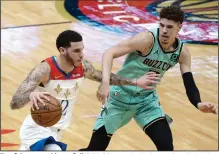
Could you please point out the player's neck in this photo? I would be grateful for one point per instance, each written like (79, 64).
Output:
(64, 65)
(169, 46)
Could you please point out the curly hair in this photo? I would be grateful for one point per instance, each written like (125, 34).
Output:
(172, 13)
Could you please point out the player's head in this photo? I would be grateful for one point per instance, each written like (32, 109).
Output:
(171, 19)
(70, 45)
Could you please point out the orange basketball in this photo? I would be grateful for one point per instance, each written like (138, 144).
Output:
(49, 114)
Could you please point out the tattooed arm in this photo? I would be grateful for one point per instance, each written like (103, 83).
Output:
(144, 81)
(34, 78)
(91, 73)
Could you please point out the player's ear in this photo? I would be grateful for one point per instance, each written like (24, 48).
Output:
(179, 27)
(62, 50)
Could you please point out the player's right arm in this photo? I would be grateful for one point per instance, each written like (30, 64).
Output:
(141, 42)
(26, 91)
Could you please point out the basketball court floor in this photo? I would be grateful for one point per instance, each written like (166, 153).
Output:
(28, 33)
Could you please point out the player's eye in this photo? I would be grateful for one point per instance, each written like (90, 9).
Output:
(77, 50)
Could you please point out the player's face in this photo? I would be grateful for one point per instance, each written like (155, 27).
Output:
(168, 30)
(74, 54)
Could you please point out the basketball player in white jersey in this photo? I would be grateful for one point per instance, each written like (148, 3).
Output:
(61, 78)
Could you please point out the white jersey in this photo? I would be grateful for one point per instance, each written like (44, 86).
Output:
(63, 87)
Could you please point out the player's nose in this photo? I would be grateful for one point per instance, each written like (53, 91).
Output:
(164, 30)
(82, 55)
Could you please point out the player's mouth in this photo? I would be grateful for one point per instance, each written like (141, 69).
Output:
(165, 36)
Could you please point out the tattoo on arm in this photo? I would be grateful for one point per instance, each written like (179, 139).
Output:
(96, 75)
(21, 96)
(117, 80)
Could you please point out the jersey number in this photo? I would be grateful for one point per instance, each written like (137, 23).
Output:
(64, 103)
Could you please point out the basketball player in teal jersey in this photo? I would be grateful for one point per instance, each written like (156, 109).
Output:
(157, 50)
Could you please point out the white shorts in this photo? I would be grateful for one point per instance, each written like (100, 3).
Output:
(30, 133)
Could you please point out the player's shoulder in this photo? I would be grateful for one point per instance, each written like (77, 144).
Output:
(42, 70)
(145, 35)
(49, 62)
(142, 40)
(185, 50)
(185, 53)
(43, 66)
(87, 65)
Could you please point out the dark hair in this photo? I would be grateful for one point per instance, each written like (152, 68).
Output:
(66, 37)
(172, 13)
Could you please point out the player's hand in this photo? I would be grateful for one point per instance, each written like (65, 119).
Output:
(207, 107)
(148, 80)
(103, 92)
(38, 97)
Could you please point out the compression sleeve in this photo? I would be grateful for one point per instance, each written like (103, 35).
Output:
(191, 89)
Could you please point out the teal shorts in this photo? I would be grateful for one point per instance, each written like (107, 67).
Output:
(122, 107)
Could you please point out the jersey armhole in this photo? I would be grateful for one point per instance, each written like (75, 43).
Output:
(152, 46)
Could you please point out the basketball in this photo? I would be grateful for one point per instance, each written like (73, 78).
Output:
(49, 114)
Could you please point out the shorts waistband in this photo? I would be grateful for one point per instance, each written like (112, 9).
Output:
(115, 93)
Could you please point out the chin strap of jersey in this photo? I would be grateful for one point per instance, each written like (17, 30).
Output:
(191, 89)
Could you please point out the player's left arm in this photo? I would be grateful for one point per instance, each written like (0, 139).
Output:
(191, 89)
(92, 73)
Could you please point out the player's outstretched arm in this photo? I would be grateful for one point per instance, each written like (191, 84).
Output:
(190, 86)
(34, 78)
(140, 42)
(92, 73)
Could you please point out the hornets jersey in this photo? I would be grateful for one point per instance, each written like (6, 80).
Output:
(157, 60)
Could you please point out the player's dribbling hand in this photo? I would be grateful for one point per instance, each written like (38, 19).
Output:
(207, 107)
(38, 97)
(103, 92)
(146, 81)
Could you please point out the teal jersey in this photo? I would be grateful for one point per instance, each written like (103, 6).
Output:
(157, 60)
